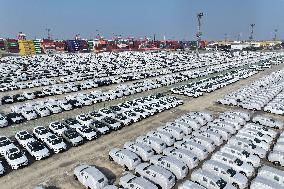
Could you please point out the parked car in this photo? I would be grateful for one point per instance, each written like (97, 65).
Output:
(90, 176)
(125, 158)
(158, 175)
(131, 181)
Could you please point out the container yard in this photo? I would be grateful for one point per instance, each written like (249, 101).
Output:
(141, 95)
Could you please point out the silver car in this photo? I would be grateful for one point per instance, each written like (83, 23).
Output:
(90, 176)
(172, 164)
(131, 181)
(159, 175)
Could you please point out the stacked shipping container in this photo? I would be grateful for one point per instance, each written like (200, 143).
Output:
(2, 44)
(37, 45)
(60, 46)
(26, 47)
(48, 46)
(12, 45)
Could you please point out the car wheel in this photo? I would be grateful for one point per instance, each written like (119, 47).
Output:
(243, 173)
(277, 163)
(110, 158)
(75, 177)
(126, 168)
(235, 185)
(250, 163)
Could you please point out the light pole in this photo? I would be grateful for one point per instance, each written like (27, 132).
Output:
(252, 31)
(275, 34)
(198, 33)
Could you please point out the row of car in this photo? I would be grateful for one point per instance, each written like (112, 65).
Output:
(258, 94)
(277, 155)
(42, 108)
(59, 136)
(182, 143)
(72, 86)
(237, 161)
(110, 67)
(60, 89)
(126, 66)
(268, 177)
(207, 85)
(276, 106)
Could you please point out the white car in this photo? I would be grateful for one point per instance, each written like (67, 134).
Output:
(186, 156)
(41, 110)
(163, 135)
(53, 107)
(131, 181)
(73, 137)
(125, 158)
(2, 170)
(57, 128)
(41, 132)
(15, 158)
(55, 143)
(90, 177)
(24, 137)
(64, 105)
(158, 175)
(5, 144)
(269, 122)
(143, 151)
(87, 132)
(177, 167)
(37, 150)
(84, 119)
(29, 113)
(276, 157)
(3, 121)
(190, 185)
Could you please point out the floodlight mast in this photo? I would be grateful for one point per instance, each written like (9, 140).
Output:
(252, 31)
(275, 34)
(198, 33)
(48, 33)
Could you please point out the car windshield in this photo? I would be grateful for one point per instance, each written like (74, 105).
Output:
(71, 134)
(238, 162)
(86, 129)
(116, 108)
(109, 120)
(99, 124)
(101, 180)
(84, 118)
(56, 140)
(42, 130)
(35, 146)
(120, 116)
(221, 183)
(4, 141)
(14, 153)
(246, 153)
(29, 111)
(25, 136)
(231, 171)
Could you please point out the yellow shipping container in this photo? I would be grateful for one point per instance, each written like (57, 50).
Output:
(26, 47)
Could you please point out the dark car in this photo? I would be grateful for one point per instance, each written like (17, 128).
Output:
(15, 118)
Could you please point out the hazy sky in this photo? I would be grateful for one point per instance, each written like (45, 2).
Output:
(176, 19)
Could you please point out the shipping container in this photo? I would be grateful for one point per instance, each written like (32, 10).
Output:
(26, 47)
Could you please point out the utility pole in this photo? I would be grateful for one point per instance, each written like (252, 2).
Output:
(226, 37)
(239, 37)
(275, 34)
(48, 33)
(252, 31)
(198, 33)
